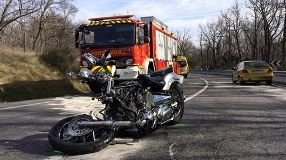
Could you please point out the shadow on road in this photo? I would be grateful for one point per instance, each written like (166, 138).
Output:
(24, 90)
(36, 144)
(24, 131)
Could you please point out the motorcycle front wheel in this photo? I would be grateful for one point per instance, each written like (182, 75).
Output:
(66, 136)
(178, 97)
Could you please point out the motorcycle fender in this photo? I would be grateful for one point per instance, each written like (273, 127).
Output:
(172, 78)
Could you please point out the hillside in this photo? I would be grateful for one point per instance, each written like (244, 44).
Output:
(24, 76)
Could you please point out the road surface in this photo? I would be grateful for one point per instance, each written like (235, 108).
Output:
(221, 121)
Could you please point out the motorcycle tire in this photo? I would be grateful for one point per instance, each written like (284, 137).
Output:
(77, 148)
(177, 89)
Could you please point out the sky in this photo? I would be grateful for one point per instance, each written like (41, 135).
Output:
(177, 14)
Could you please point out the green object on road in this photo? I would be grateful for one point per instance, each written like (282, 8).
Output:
(179, 125)
(56, 153)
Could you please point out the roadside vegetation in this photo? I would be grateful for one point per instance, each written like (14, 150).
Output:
(36, 49)
(26, 75)
(249, 30)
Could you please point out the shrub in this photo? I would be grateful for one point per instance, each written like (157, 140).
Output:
(62, 59)
(282, 67)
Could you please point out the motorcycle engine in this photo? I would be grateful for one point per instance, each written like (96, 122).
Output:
(131, 100)
(144, 100)
(145, 103)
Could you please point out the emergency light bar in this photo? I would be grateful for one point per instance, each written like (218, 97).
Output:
(109, 18)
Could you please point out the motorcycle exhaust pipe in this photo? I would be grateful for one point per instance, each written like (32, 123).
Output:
(124, 141)
(107, 123)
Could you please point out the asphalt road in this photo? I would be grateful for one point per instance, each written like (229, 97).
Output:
(221, 121)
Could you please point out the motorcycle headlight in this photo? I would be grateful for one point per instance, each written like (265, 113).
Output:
(84, 73)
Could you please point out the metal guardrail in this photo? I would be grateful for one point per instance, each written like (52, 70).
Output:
(279, 76)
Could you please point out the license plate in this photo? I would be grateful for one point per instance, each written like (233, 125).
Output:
(127, 73)
(258, 71)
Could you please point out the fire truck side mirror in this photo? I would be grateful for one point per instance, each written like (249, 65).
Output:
(147, 40)
(146, 33)
(76, 38)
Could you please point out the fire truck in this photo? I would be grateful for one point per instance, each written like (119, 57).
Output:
(138, 46)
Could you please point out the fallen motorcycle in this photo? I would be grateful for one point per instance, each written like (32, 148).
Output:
(142, 104)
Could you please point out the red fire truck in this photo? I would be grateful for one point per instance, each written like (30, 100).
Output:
(137, 46)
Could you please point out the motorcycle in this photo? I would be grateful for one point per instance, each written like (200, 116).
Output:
(142, 104)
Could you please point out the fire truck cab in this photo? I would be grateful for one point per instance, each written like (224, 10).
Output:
(137, 46)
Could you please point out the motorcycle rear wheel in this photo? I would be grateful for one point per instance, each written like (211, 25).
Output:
(78, 144)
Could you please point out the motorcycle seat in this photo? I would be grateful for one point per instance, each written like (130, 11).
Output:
(153, 82)
(161, 72)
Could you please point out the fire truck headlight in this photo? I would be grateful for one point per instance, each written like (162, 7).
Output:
(129, 61)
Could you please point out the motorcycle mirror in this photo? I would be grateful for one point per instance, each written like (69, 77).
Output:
(89, 59)
(108, 56)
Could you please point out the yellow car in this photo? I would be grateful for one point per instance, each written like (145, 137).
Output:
(184, 67)
(252, 71)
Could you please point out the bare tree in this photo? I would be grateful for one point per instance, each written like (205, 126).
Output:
(284, 33)
(11, 10)
(48, 25)
(233, 31)
(185, 44)
(251, 27)
(258, 35)
(271, 15)
(55, 14)
(45, 5)
(212, 35)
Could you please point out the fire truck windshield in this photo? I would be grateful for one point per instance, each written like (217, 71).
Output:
(109, 35)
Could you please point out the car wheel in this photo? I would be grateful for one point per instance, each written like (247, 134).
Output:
(269, 82)
(240, 81)
(233, 81)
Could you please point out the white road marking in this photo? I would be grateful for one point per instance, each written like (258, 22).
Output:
(171, 153)
(199, 92)
(225, 82)
(234, 86)
(25, 105)
(197, 83)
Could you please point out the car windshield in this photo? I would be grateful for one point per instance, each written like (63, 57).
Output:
(182, 63)
(113, 34)
(256, 64)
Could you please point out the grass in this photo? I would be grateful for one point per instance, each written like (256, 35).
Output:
(25, 76)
